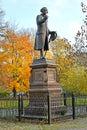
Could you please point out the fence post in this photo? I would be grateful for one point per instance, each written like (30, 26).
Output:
(49, 109)
(65, 99)
(20, 106)
(73, 106)
(21, 103)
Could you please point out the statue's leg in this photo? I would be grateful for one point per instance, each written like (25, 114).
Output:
(41, 54)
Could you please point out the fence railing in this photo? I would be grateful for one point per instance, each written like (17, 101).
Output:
(8, 108)
(69, 107)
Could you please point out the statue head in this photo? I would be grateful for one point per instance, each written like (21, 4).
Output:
(44, 10)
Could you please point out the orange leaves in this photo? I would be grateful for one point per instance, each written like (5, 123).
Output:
(16, 60)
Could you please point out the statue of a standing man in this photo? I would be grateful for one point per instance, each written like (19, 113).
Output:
(41, 39)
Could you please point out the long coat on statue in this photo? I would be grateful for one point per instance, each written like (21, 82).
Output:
(41, 39)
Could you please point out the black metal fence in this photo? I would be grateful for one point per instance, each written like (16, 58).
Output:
(69, 107)
(8, 108)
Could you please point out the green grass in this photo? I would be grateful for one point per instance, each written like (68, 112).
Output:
(81, 101)
(12, 103)
(78, 101)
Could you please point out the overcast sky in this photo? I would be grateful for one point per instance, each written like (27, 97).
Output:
(65, 16)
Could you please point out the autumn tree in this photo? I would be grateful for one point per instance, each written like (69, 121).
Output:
(63, 54)
(80, 45)
(76, 80)
(73, 76)
(3, 24)
(16, 57)
(3, 27)
(64, 58)
(80, 53)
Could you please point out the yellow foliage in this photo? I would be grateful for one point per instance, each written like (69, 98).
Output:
(62, 55)
(75, 80)
(49, 55)
(72, 77)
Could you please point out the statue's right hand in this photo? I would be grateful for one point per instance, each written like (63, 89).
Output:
(46, 17)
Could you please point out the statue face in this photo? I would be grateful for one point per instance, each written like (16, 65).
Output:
(44, 10)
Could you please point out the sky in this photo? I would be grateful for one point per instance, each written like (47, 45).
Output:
(64, 16)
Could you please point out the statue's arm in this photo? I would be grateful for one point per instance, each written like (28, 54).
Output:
(41, 19)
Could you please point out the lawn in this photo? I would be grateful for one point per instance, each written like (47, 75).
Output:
(78, 101)
(12, 103)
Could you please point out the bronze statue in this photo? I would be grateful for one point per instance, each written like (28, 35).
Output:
(41, 39)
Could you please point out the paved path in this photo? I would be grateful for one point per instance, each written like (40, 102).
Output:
(77, 124)
(75, 129)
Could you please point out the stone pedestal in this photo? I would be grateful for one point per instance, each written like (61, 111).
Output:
(42, 83)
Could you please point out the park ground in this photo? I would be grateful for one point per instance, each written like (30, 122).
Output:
(77, 124)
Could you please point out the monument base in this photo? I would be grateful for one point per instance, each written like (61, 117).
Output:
(43, 83)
